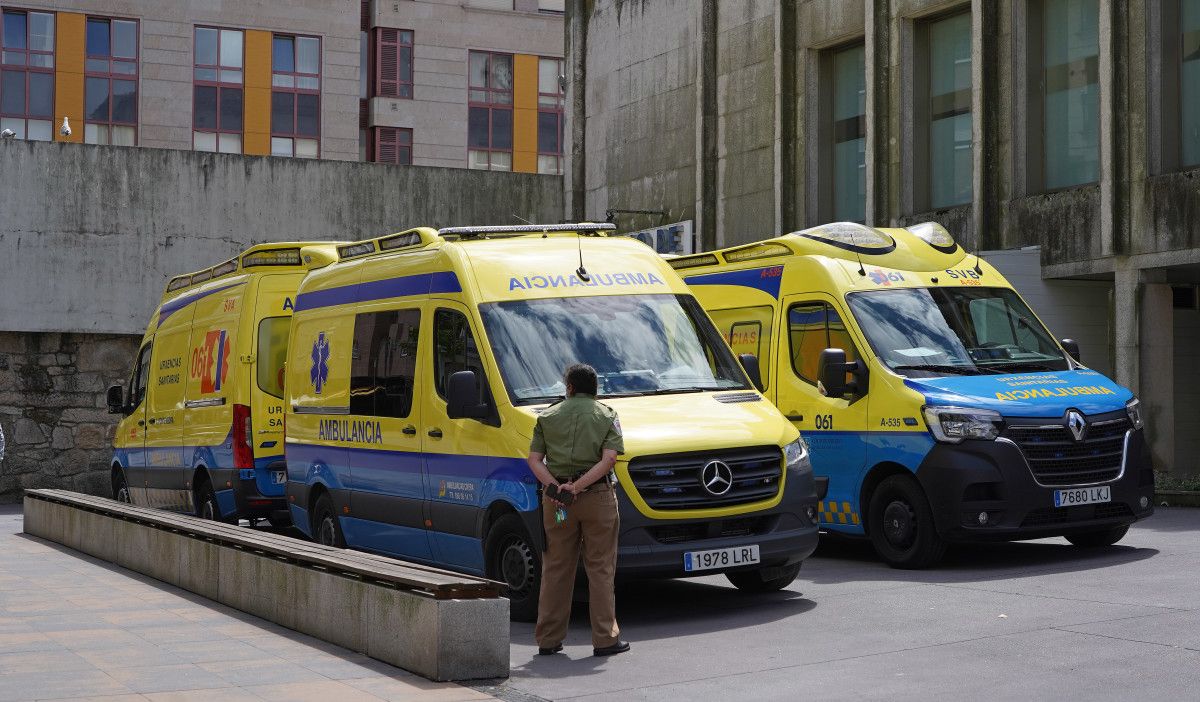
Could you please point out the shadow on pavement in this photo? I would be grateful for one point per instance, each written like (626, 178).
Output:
(841, 559)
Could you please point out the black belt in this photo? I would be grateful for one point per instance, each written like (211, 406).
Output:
(602, 483)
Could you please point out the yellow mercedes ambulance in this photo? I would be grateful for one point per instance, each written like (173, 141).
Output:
(936, 404)
(418, 364)
(202, 426)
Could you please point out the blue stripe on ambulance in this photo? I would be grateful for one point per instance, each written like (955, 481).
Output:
(840, 510)
(765, 279)
(401, 286)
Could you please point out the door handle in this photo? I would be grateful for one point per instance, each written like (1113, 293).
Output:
(435, 433)
(409, 430)
(152, 420)
(141, 422)
(795, 417)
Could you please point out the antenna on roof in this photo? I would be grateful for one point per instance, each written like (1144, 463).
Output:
(581, 271)
(977, 269)
(861, 271)
(517, 216)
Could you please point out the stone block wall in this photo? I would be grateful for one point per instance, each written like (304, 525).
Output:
(57, 431)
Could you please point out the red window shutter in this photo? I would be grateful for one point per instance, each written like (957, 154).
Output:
(365, 16)
(387, 66)
(386, 148)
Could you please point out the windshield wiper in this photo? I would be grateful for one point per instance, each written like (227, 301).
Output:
(943, 368)
(1031, 365)
(539, 399)
(665, 391)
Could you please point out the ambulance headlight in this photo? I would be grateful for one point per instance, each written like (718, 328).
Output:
(1134, 409)
(795, 456)
(953, 424)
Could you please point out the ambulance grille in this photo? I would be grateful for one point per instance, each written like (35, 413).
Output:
(672, 481)
(1054, 516)
(1056, 458)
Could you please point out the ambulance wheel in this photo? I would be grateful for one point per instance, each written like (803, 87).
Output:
(1098, 538)
(206, 502)
(765, 579)
(513, 559)
(901, 526)
(325, 528)
(119, 487)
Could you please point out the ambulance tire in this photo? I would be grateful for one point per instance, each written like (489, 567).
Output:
(753, 581)
(901, 525)
(120, 487)
(513, 559)
(325, 527)
(206, 502)
(1098, 538)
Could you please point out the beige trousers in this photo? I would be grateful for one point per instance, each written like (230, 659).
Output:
(591, 526)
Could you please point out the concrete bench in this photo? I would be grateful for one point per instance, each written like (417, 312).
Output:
(435, 623)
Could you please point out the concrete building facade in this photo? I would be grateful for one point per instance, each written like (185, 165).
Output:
(369, 80)
(1071, 125)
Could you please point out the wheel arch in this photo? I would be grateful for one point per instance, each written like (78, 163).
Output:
(880, 472)
(499, 508)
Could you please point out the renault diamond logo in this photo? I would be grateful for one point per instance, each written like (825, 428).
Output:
(717, 478)
(1077, 424)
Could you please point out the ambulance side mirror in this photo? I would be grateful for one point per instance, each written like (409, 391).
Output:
(116, 400)
(831, 372)
(462, 397)
(750, 365)
(1071, 347)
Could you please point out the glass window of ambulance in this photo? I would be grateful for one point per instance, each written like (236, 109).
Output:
(454, 350)
(272, 354)
(638, 344)
(929, 332)
(812, 328)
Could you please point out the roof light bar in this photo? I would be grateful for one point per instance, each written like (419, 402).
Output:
(181, 281)
(272, 257)
(580, 227)
(692, 261)
(935, 235)
(225, 268)
(399, 241)
(851, 236)
(352, 250)
(756, 251)
(202, 276)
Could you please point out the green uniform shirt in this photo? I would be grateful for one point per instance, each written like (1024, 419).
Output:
(573, 433)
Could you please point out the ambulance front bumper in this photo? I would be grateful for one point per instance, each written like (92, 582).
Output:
(784, 535)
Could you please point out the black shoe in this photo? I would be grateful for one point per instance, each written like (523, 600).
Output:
(618, 647)
(552, 650)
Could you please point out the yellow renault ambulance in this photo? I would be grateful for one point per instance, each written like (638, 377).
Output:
(936, 405)
(202, 426)
(418, 364)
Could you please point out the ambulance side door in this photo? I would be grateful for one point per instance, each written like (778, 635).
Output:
(457, 451)
(386, 480)
(833, 426)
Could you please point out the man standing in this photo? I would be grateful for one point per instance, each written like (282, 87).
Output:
(575, 445)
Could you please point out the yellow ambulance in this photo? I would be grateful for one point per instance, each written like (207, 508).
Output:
(937, 405)
(202, 426)
(418, 364)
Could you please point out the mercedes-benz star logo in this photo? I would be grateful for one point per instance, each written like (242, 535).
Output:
(1077, 424)
(716, 477)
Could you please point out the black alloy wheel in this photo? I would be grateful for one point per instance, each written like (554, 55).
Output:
(325, 528)
(120, 488)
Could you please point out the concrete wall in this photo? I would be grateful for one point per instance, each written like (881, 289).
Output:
(444, 32)
(91, 234)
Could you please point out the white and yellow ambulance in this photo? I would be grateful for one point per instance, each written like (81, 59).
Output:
(418, 364)
(203, 413)
(937, 405)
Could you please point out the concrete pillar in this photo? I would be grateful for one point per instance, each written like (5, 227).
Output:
(1125, 326)
(1156, 388)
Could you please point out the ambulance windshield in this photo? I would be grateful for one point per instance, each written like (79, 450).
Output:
(924, 332)
(638, 344)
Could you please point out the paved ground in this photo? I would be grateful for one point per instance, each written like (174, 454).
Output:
(1038, 620)
(75, 627)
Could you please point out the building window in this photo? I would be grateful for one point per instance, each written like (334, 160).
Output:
(393, 145)
(394, 72)
(1189, 81)
(27, 75)
(945, 109)
(217, 92)
(551, 100)
(295, 96)
(1070, 52)
(110, 82)
(490, 99)
(555, 6)
(847, 126)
